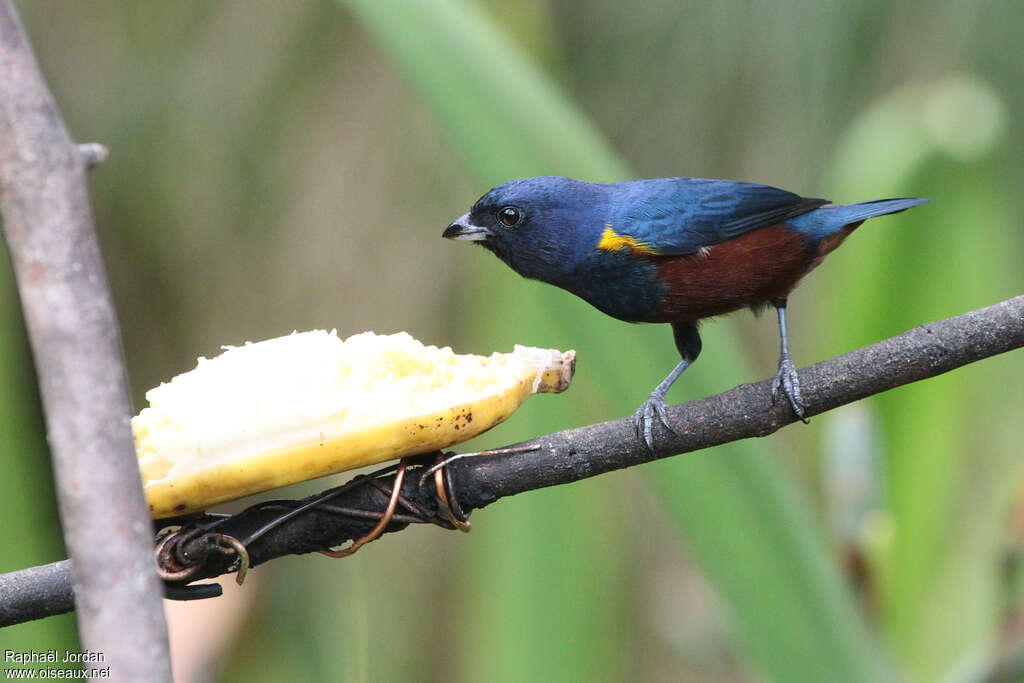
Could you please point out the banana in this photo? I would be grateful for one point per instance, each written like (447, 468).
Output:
(309, 404)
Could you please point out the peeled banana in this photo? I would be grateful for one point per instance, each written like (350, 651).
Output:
(310, 404)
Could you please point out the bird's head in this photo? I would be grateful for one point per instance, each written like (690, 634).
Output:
(541, 227)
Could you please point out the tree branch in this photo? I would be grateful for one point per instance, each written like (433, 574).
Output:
(747, 410)
(563, 457)
(75, 340)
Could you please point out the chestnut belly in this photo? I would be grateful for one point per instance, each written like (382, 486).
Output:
(758, 267)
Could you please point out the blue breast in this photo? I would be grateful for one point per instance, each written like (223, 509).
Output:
(617, 284)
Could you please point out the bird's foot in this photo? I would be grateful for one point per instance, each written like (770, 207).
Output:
(643, 419)
(787, 381)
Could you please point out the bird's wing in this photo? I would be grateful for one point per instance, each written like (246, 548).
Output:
(681, 215)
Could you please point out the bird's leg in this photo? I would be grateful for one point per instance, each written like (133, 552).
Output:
(786, 378)
(688, 343)
(643, 419)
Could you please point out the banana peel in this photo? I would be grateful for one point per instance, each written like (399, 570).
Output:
(309, 404)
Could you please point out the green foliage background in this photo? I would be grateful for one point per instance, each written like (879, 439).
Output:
(280, 166)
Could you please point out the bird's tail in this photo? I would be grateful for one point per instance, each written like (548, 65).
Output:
(829, 219)
(878, 207)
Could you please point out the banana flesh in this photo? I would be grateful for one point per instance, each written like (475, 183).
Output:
(309, 404)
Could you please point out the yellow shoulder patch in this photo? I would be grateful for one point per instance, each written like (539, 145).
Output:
(613, 241)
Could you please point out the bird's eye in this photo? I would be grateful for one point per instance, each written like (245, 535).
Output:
(509, 216)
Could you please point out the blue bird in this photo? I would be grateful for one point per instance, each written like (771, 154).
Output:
(667, 250)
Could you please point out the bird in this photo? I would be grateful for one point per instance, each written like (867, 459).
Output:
(668, 250)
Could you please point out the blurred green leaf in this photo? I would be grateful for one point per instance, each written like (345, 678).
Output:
(505, 120)
(743, 517)
(951, 473)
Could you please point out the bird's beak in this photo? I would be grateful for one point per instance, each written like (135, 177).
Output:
(462, 229)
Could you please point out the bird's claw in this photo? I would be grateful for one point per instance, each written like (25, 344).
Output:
(787, 381)
(643, 419)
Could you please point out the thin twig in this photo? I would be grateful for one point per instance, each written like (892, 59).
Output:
(69, 315)
(36, 592)
(563, 457)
